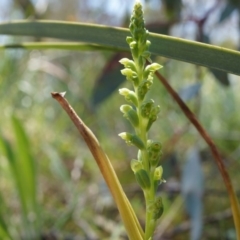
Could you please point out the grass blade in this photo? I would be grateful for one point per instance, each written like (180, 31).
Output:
(25, 164)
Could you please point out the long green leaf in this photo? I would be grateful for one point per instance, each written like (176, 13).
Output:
(25, 164)
(25, 168)
(8, 152)
(23, 171)
(60, 45)
(170, 47)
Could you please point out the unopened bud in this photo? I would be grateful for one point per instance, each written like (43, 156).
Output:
(130, 114)
(130, 75)
(158, 208)
(146, 108)
(129, 95)
(143, 88)
(136, 165)
(154, 152)
(151, 69)
(158, 173)
(153, 116)
(128, 63)
(143, 179)
(132, 139)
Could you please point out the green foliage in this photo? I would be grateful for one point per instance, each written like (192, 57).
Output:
(23, 172)
(175, 48)
(71, 189)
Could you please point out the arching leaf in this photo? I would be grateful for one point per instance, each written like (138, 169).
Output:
(221, 76)
(170, 47)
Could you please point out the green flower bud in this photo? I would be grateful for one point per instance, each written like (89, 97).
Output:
(153, 116)
(154, 146)
(148, 43)
(136, 165)
(126, 136)
(146, 108)
(130, 75)
(147, 55)
(137, 142)
(128, 63)
(143, 179)
(151, 69)
(125, 108)
(129, 39)
(158, 182)
(130, 96)
(136, 26)
(143, 40)
(158, 173)
(157, 209)
(133, 44)
(154, 152)
(132, 139)
(143, 88)
(130, 114)
(150, 77)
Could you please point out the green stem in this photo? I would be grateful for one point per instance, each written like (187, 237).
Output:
(149, 194)
(150, 224)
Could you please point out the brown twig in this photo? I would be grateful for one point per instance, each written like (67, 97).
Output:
(132, 225)
(214, 150)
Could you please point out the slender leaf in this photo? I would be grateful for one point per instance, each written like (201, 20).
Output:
(192, 189)
(221, 76)
(26, 172)
(10, 155)
(170, 47)
(226, 12)
(25, 164)
(23, 171)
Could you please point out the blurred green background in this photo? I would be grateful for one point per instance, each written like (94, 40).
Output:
(50, 186)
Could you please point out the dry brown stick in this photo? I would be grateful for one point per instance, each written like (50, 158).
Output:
(129, 218)
(214, 150)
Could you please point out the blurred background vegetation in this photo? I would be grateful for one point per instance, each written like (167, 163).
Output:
(50, 185)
